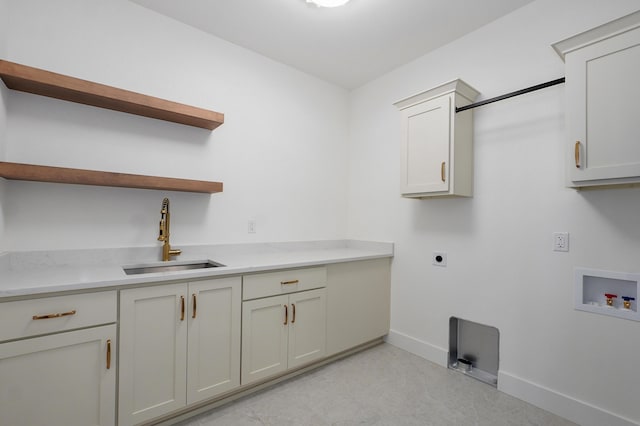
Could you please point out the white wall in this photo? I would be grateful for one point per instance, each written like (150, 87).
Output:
(501, 269)
(283, 157)
(281, 152)
(3, 115)
(3, 183)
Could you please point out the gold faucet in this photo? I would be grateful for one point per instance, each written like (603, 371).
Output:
(165, 223)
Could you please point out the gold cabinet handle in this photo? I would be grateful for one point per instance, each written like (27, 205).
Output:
(576, 153)
(442, 169)
(293, 306)
(195, 306)
(49, 316)
(108, 354)
(289, 282)
(181, 308)
(286, 314)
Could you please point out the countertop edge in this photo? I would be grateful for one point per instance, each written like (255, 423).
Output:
(49, 280)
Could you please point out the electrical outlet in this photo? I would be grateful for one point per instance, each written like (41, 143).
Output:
(560, 241)
(439, 258)
(251, 226)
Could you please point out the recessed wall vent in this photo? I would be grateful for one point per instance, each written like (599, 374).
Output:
(474, 349)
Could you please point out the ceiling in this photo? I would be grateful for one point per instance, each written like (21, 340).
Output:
(349, 45)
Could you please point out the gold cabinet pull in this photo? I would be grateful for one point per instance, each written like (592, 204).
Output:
(286, 314)
(49, 316)
(195, 306)
(289, 282)
(181, 308)
(293, 306)
(576, 153)
(108, 354)
(442, 167)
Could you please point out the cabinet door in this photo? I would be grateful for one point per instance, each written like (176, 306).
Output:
(214, 338)
(601, 109)
(264, 337)
(307, 327)
(358, 303)
(60, 379)
(425, 146)
(153, 352)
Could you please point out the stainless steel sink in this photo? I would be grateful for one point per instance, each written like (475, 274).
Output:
(150, 269)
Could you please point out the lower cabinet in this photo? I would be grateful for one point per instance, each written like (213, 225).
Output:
(282, 332)
(307, 327)
(65, 378)
(60, 379)
(179, 344)
(358, 303)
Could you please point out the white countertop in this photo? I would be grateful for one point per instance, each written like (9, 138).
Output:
(24, 274)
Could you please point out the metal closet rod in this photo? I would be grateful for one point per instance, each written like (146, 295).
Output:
(512, 94)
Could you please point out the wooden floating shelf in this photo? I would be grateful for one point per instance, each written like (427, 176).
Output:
(17, 171)
(46, 83)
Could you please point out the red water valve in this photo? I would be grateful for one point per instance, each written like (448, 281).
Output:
(610, 298)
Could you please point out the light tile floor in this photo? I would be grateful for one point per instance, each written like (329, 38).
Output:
(383, 385)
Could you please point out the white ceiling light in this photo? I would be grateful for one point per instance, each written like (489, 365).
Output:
(328, 3)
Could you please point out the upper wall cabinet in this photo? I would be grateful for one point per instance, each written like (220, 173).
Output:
(602, 69)
(437, 143)
(46, 83)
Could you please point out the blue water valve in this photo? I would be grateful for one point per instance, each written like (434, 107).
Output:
(626, 301)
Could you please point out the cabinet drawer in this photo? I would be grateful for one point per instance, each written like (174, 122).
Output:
(282, 282)
(52, 314)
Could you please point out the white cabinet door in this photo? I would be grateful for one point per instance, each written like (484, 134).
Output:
(264, 337)
(436, 143)
(153, 352)
(214, 338)
(282, 332)
(425, 146)
(602, 112)
(307, 327)
(603, 115)
(59, 380)
(358, 303)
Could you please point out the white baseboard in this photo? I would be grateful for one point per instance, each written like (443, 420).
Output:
(565, 406)
(418, 347)
(562, 405)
